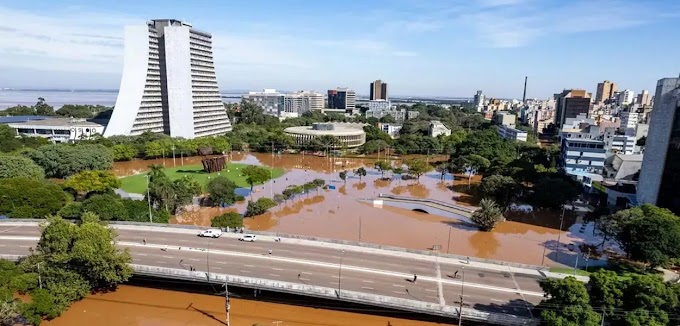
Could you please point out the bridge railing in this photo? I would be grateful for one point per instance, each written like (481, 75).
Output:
(428, 200)
(335, 294)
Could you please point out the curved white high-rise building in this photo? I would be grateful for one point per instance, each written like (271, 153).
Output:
(169, 84)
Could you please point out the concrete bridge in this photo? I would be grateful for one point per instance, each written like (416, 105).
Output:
(494, 294)
(425, 205)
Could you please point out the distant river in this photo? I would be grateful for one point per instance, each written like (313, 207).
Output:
(57, 99)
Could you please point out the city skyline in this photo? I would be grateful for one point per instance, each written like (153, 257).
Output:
(438, 48)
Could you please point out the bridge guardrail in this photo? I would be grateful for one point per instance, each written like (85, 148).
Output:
(332, 293)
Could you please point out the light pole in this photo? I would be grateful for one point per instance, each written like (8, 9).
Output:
(448, 243)
(359, 228)
(148, 197)
(173, 156)
(559, 234)
(462, 289)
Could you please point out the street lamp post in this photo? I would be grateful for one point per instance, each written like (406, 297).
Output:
(559, 234)
(448, 243)
(173, 156)
(359, 228)
(148, 197)
(462, 289)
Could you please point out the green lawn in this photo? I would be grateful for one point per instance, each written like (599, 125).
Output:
(137, 183)
(622, 275)
(569, 271)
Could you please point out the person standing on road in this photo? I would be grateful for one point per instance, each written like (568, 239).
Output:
(144, 241)
(270, 251)
(455, 275)
(415, 278)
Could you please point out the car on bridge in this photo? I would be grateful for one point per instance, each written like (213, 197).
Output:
(212, 233)
(248, 237)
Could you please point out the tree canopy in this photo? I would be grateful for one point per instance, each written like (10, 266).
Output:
(89, 181)
(60, 161)
(488, 215)
(30, 198)
(228, 219)
(255, 175)
(222, 191)
(17, 166)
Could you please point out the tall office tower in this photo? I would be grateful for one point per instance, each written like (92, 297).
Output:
(605, 90)
(342, 98)
(298, 103)
(570, 103)
(644, 98)
(625, 97)
(660, 172)
(479, 100)
(378, 90)
(168, 84)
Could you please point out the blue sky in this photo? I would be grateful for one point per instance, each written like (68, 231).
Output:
(420, 47)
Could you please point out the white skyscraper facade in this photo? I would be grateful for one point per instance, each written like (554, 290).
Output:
(168, 84)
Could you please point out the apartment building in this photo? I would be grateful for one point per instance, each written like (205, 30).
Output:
(296, 104)
(271, 101)
(342, 98)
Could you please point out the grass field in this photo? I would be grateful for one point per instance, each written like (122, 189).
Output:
(137, 183)
(569, 271)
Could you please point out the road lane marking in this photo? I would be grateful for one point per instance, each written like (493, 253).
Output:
(277, 269)
(526, 304)
(336, 283)
(160, 262)
(367, 281)
(306, 273)
(275, 275)
(304, 279)
(398, 292)
(10, 229)
(144, 255)
(367, 288)
(194, 259)
(24, 246)
(440, 288)
(430, 290)
(220, 262)
(249, 265)
(170, 257)
(498, 300)
(244, 271)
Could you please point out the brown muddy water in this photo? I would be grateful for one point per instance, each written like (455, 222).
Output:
(341, 213)
(140, 306)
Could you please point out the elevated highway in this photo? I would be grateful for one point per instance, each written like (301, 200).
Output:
(500, 294)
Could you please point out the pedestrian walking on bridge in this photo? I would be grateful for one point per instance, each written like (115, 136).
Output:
(415, 278)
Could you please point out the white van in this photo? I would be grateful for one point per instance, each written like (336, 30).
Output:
(213, 233)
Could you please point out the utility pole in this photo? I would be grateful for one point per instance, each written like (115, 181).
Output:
(359, 228)
(340, 271)
(226, 299)
(448, 243)
(559, 234)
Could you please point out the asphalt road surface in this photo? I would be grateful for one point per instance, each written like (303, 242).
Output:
(370, 272)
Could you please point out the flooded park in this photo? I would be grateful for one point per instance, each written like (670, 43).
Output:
(344, 213)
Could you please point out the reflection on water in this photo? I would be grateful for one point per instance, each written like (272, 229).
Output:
(137, 306)
(338, 213)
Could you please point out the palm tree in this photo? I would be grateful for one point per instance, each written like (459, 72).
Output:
(488, 215)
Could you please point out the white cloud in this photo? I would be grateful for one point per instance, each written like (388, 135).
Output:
(404, 54)
(515, 23)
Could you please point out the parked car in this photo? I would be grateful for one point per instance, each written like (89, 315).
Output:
(213, 233)
(247, 237)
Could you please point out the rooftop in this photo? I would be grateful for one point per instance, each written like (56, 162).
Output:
(57, 122)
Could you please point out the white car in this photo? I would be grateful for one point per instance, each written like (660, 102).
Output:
(213, 233)
(247, 237)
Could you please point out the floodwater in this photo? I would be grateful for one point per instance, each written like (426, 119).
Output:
(138, 306)
(343, 214)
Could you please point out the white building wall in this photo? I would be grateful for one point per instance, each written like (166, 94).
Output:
(178, 77)
(135, 63)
